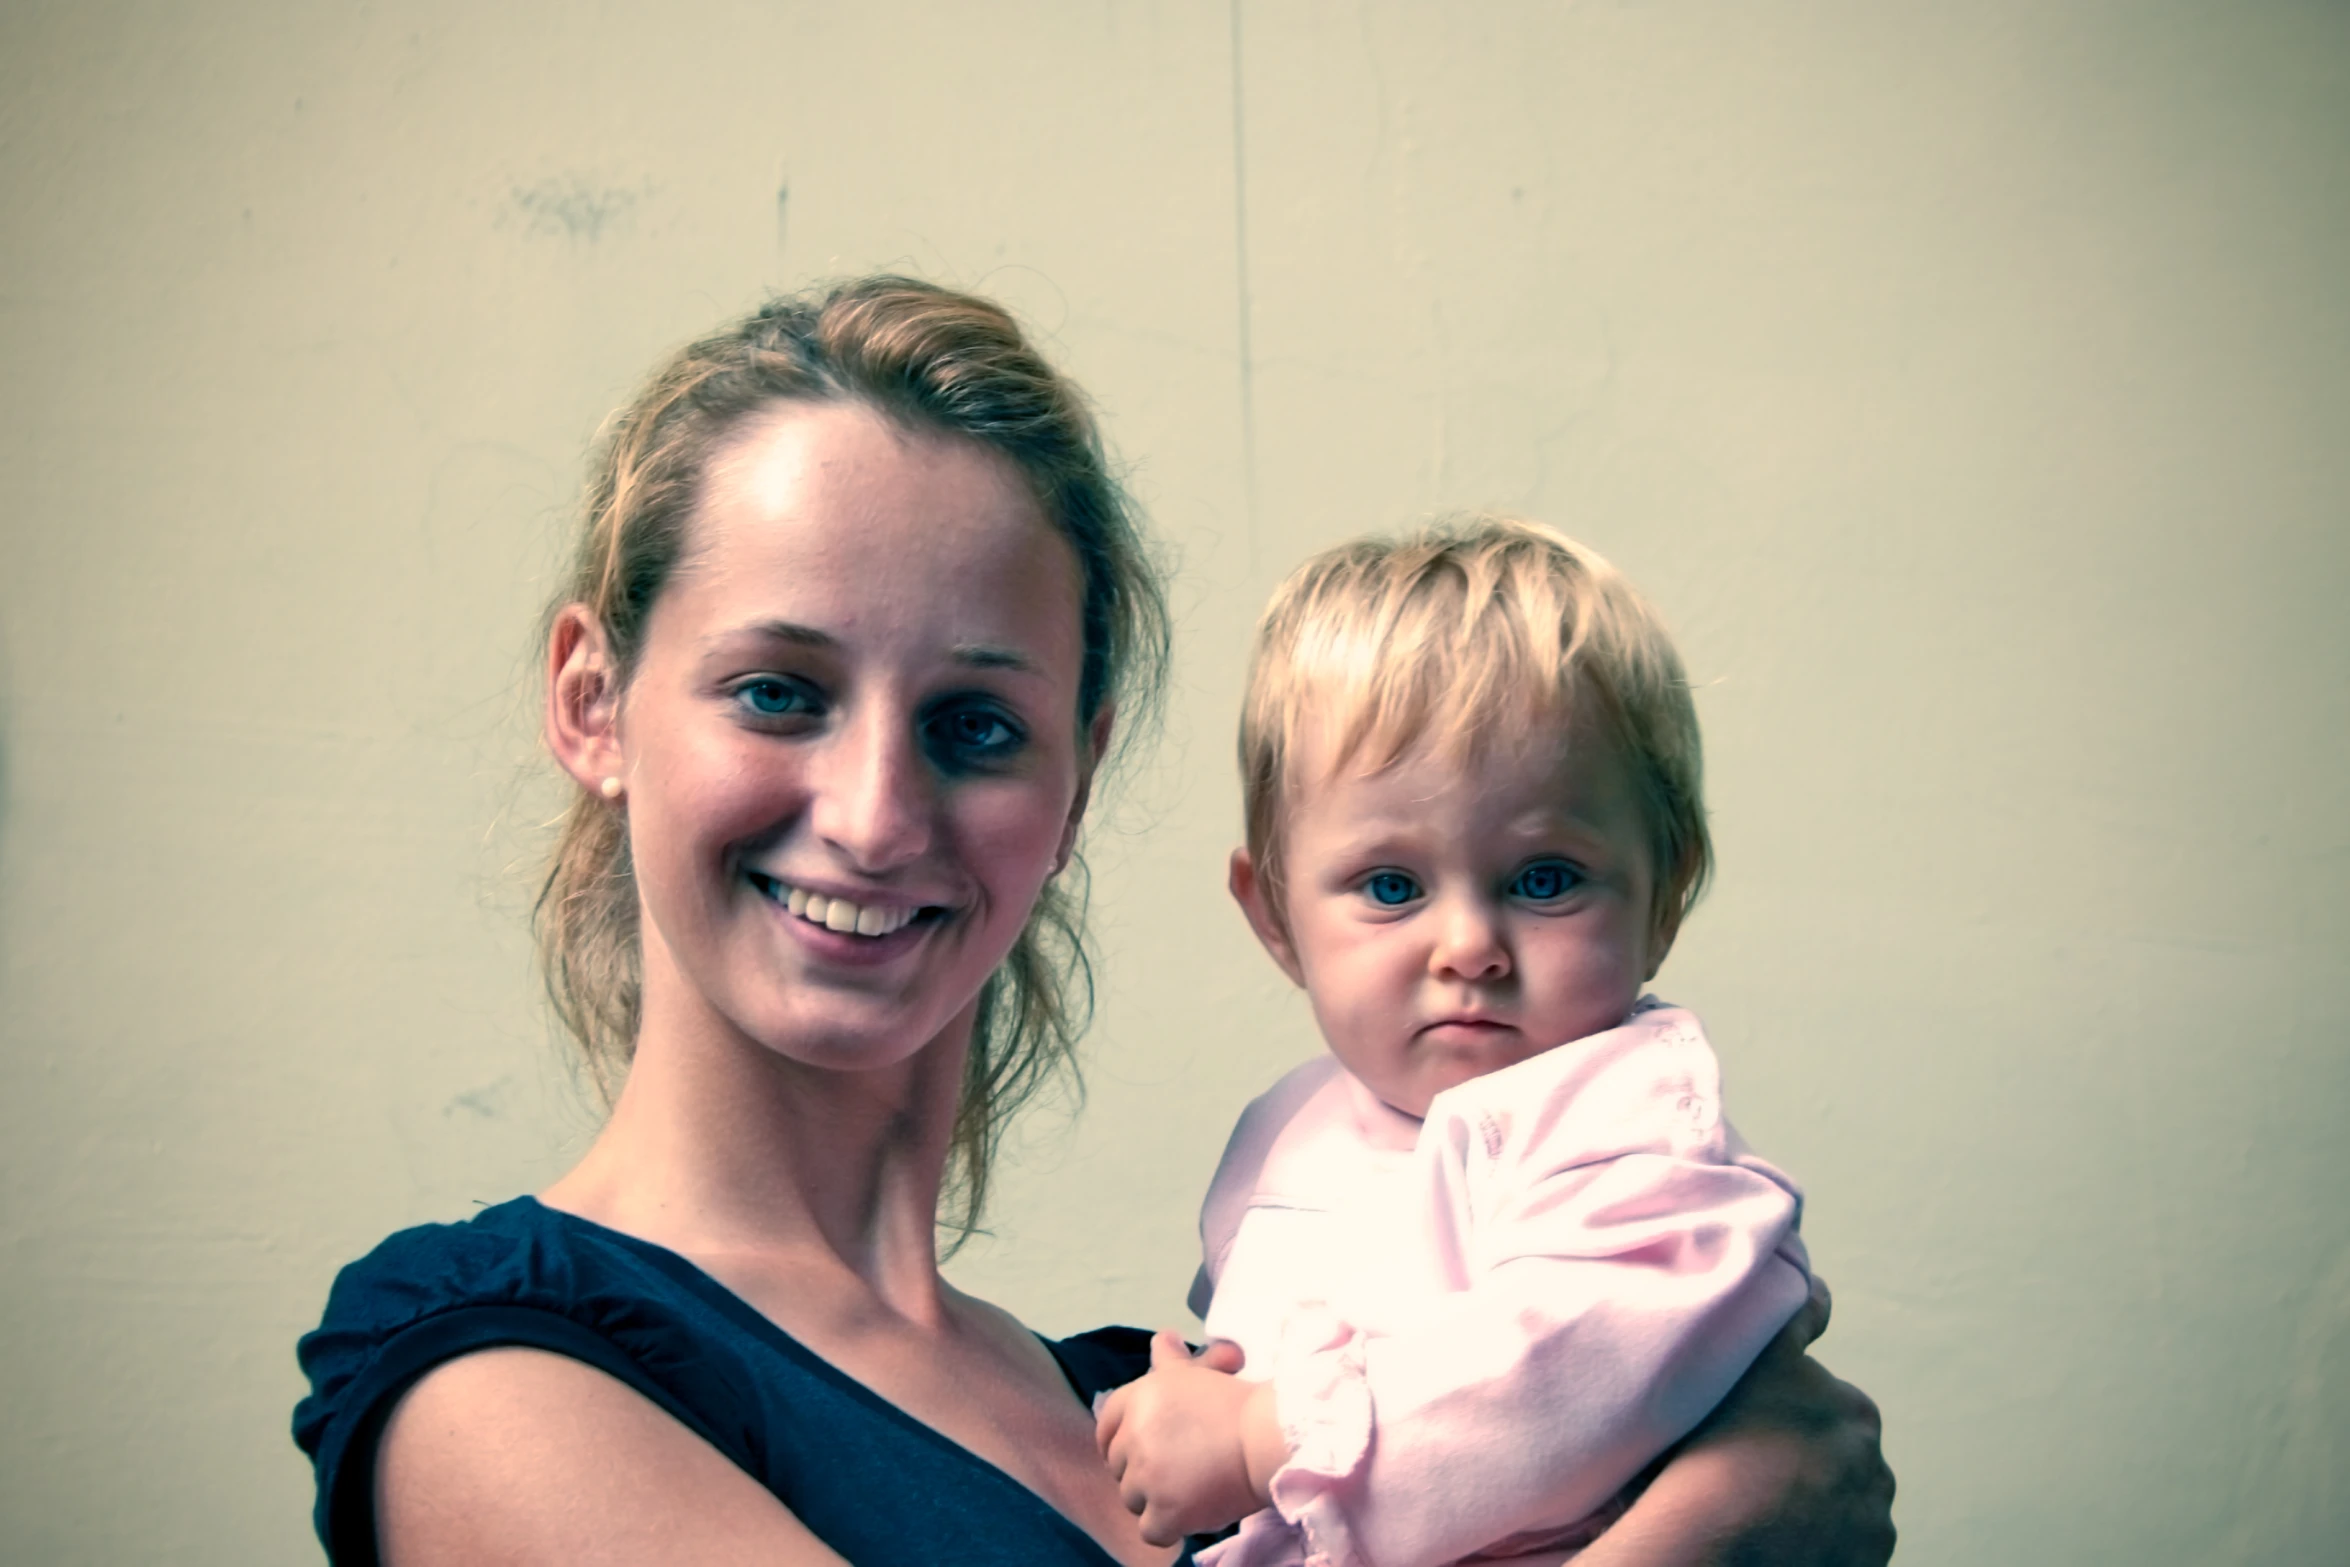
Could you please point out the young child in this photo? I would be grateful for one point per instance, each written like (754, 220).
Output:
(1499, 1249)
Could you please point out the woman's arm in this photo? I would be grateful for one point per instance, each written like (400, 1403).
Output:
(1787, 1472)
(523, 1456)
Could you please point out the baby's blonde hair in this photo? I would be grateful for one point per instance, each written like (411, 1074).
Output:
(1476, 632)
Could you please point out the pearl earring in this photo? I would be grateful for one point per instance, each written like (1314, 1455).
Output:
(611, 788)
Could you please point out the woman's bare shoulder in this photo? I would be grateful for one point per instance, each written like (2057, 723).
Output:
(522, 1455)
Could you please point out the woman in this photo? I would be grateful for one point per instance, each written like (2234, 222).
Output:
(855, 612)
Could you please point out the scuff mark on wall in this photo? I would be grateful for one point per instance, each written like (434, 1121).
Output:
(487, 1102)
(572, 207)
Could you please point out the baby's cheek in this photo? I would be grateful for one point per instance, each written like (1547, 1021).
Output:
(1350, 1031)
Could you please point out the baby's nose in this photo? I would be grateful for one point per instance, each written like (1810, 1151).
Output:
(1471, 946)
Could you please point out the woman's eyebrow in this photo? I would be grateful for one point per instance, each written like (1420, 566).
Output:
(991, 655)
(778, 631)
(974, 655)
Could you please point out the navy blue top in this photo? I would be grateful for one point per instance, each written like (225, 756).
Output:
(868, 1479)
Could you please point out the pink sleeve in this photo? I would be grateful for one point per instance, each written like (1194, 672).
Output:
(1618, 1261)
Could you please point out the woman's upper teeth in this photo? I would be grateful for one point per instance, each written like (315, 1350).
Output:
(842, 915)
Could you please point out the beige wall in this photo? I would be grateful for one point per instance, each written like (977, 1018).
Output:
(1969, 383)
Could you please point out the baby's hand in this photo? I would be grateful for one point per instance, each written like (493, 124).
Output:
(1191, 1447)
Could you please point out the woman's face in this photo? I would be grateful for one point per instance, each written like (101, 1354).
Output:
(850, 749)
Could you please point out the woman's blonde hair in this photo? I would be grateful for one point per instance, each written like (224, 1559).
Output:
(1476, 632)
(935, 360)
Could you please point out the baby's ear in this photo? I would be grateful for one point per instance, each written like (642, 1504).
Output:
(1248, 890)
(1662, 928)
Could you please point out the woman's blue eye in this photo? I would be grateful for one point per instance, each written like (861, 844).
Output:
(1390, 889)
(1546, 882)
(773, 698)
(975, 733)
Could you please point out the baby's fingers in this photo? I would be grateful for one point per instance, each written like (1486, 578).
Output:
(1131, 1490)
(1220, 1354)
(1157, 1530)
(1109, 1415)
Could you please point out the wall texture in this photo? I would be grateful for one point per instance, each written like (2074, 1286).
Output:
(1969, 384)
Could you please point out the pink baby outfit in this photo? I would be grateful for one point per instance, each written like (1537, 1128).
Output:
(1482, 1325)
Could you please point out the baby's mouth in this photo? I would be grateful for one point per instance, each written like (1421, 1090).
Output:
(839, 914)
(1473, 1026)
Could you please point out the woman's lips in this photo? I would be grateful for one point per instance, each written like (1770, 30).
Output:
(843, 916)
(839, 914)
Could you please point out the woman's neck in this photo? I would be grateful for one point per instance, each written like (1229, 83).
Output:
(719, 1148)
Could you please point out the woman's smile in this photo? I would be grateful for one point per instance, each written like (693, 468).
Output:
(846, 933)
(839, 913)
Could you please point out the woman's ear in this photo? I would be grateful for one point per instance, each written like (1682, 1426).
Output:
(583, 703)
(1097, 746)
(1248, 890)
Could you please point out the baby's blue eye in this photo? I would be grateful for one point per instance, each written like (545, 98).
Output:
(1389, 889)
(1546, 881)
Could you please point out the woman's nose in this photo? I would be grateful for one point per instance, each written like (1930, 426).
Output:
(1469, 943)
(874, 796)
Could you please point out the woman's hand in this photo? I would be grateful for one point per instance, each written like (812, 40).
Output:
(1787, 1470)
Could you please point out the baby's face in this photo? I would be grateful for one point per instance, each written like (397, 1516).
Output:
(1448, 921)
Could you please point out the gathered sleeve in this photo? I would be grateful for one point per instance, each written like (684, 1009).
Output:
(1617, 1260)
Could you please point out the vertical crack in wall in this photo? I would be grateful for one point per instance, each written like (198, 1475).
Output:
(1248, 401)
